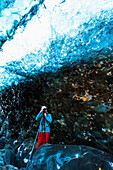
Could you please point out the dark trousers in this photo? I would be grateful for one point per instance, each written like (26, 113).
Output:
(41, 139)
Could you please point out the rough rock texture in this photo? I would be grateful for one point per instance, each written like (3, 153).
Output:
(79, 98)
(24, 152)
(71, 73)
(70, 157)
(7, 157)
(8, 167)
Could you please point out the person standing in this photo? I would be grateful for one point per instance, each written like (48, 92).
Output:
(44, 128)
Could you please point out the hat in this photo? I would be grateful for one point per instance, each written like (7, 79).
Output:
(43, 107)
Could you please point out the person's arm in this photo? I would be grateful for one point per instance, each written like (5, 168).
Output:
(39, 115)
(48, 118)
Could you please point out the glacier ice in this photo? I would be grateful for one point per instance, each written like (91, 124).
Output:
(41, 36)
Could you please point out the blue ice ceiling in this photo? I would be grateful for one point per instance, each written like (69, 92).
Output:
(39, 36)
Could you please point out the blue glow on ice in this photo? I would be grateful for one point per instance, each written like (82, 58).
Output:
(78, 29)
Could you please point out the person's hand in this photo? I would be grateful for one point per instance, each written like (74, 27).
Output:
(44, 114)
(41, 111)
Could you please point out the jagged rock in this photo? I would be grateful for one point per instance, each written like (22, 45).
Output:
(72, 75)
(1, 161)
(70, 157)
(7, 157)
(2, 143)
(78, 97)
(8, 167)
(24, 152)
(86, 163)
(4, 132)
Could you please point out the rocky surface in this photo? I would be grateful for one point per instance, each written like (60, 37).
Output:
(80, 99)
(71, 73)
(8, 167)
(70, 157)
(7, 157)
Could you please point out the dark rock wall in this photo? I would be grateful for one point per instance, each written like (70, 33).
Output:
(79, 97)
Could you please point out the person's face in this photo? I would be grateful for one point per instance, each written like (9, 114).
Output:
(45, 110)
